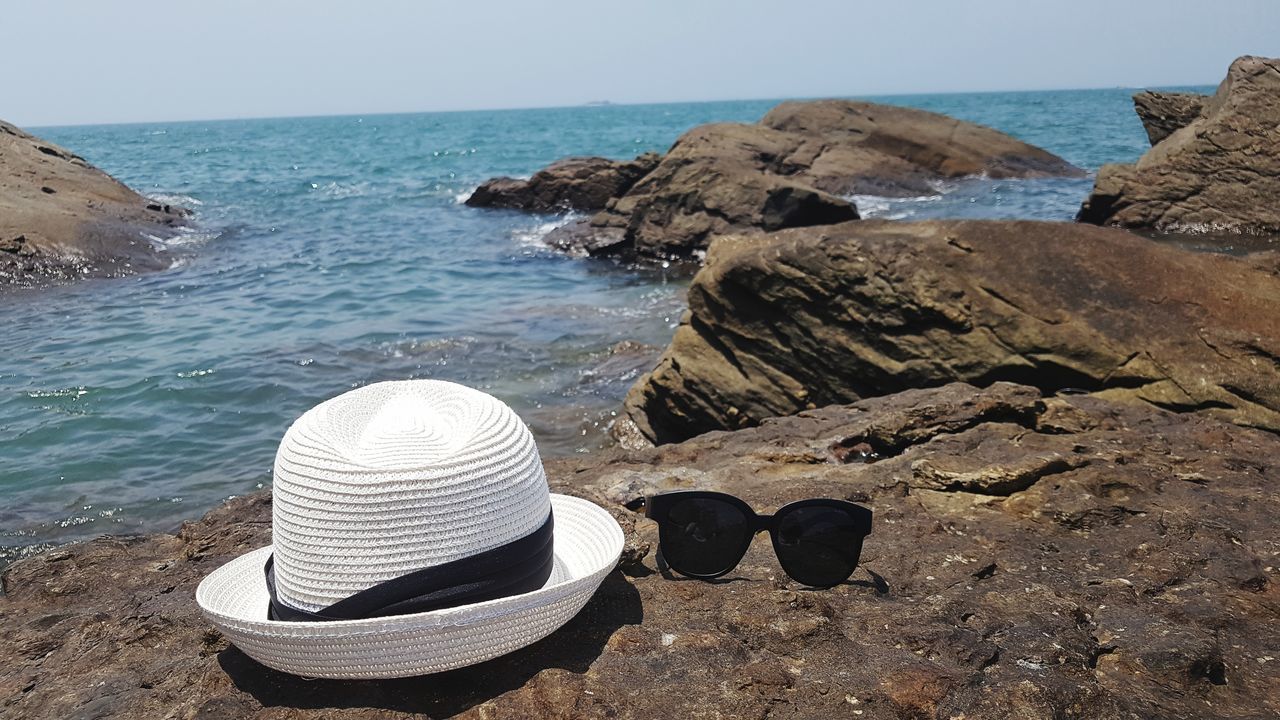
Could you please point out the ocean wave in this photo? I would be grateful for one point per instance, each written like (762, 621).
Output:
(436, 347)
(196, 373)
(182, 237)
(339, 190)
(188, 237)
(176, 199)
(462, 197)
(75, 392)
(892, 208)
(10, 555)
(534, 236)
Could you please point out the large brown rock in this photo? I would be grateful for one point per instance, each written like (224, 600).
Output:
(715, 179)
(1030, 558)
(867, 148)
(578, 183)
(806, 318)
(60, 217)
(1218, 174)
(1164, 113)
(794, 169)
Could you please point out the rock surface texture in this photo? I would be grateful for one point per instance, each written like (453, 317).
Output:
(795, 168)
(579, 183)
(1030, 558)
(60, 217)
(1163, 113)
(1218, 174)
(806, 318)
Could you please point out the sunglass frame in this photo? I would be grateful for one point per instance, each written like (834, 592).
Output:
(658, 508)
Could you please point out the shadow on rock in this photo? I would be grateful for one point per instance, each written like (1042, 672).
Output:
(877, 582)
(573, 647)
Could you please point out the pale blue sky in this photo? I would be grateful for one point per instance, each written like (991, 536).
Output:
(90, 61)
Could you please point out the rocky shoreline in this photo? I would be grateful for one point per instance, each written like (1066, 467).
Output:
(795, 168)
(1068, 434)
(1033, 557)
(61, 218)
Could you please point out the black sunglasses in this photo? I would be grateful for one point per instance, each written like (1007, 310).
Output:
(705, 534)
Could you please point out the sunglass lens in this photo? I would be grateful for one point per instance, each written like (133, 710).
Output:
(818, 545)
(703, 536)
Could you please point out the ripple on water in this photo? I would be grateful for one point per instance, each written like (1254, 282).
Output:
(60, 393)
(339, 190)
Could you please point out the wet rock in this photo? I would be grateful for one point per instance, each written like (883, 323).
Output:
(584, 237)
(624, 360)
(62, 218)
(1218, 174)
(1163, 113)
(805, 318)
(1140, 581)
(18, 246)
(579, 183)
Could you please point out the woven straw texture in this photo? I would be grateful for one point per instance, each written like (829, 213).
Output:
(394, 477)
(234, 598)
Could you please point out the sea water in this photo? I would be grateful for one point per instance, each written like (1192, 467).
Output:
(331, 252)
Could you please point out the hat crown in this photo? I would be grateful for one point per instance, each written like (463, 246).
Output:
(395, 477)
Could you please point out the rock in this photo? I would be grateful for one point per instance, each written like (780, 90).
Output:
(60, 217)
(1218, 174)
(806, 318)
(714, 180)
(18, 246)
(1163, 113)
(1130, 572)
(794, 169)
(579, 183)
(867, 148)
(585, 238)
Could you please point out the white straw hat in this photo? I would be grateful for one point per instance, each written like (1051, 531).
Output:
(397, 484)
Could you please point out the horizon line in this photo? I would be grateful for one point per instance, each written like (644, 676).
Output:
(604, 103)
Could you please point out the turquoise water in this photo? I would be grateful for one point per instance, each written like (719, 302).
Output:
(332, 252)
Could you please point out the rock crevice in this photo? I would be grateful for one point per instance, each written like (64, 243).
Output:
(1163, 113)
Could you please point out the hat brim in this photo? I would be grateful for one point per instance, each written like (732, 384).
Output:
(234, 598)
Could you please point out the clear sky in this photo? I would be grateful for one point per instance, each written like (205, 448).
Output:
(99, 61)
